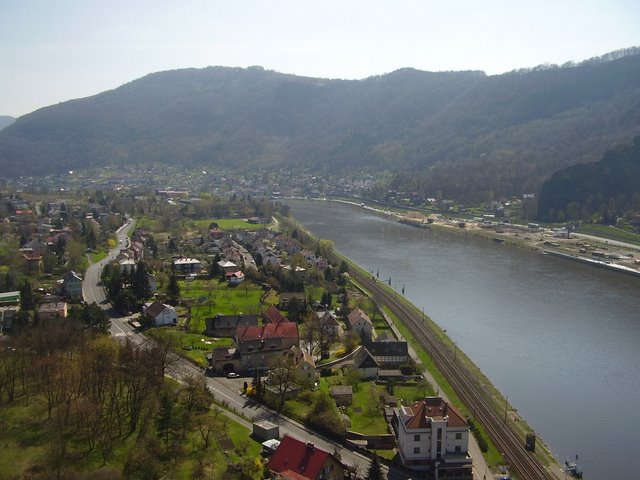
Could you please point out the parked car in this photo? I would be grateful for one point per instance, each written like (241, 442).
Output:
(232, 375)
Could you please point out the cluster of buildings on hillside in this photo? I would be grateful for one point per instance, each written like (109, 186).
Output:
(430, 435)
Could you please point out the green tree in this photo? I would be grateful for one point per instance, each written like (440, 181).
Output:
(91, 240)
(173, 289)
(27, 298)
(140, 282)
(375, 469)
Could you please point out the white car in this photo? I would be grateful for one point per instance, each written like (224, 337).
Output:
(232, 375)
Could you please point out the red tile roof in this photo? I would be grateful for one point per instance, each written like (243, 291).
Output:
(433, 407)
(298, 457)
(271, 330)
(273, 315)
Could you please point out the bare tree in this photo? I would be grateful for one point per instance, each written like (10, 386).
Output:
(281, 376)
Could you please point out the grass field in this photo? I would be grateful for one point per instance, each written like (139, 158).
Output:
(364, 420)
(191, 345)
(225, 224)
(211, 297)
(609, 232)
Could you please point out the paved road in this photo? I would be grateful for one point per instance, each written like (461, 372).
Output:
(226, 391)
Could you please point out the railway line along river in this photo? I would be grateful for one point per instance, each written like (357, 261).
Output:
(559, 339)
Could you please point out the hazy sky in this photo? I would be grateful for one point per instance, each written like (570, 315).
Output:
(56, 50)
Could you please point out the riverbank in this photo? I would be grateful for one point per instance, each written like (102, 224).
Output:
(615, 256)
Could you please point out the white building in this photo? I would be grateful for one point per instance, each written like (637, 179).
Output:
(360, 323)
(433, 436)
(161, 314)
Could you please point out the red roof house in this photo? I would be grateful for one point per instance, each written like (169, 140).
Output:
(273, 315)
(297, 460)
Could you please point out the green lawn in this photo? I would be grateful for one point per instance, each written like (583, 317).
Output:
(191, 345)
(611, 233)
(211, 297)
(362, 421)
(225, 224)
(97, 256)
(413, 393)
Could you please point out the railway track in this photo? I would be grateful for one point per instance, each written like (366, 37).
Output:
(464, 383)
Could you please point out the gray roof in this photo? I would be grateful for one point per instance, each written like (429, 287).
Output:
(387, 349)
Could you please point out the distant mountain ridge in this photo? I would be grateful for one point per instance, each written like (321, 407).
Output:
(5, 121)
(465, 134)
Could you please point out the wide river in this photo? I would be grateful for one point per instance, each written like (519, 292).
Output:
(559, 339)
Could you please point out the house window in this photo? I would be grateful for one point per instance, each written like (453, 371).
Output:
(416, 438)
(458, 436)
(416, 449)
(458, 449)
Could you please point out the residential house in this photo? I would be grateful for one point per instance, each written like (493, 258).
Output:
(227, 266)
(342, 394)
(35, 246)
(223, 360)
(433, 436)
(235, 278)
(273, 315)
(298, 460)
(72, 284)
(304, 364)
(259, 345)
(388, 354)
(160, 314)
(187, 266)
(227, 325)
(365, 364)
(50, 311)
(360, 323)
(9, 307)
(127, 265)
(309, 256)
(33, 259)
(329, 324)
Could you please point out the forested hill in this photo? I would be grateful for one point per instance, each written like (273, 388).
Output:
(600, 191)
(465, 134)
(5, 121)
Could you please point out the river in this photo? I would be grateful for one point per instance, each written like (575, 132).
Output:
(559, 339)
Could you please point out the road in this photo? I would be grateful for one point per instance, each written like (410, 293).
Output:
(225, 391)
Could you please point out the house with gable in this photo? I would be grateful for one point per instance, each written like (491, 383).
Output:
(304, 364)
(160, 314)
(360, 323)
(433, 436)
(235, 278)
(258, 345)
(273, 315)
(298, 460)
(33, 260)
(365, 364)
(309, 256)
(329, 323)
(227, 325)
(72, 284)
(389, 354)
(187, 266)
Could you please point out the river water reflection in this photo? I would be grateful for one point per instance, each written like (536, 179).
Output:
(561, 340)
